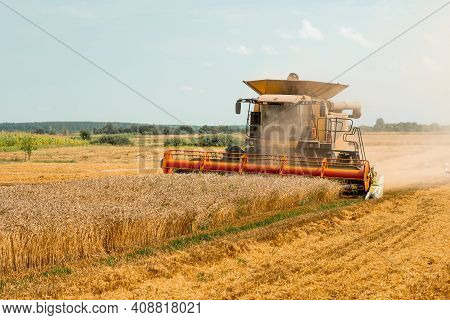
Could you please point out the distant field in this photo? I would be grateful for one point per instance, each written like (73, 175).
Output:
(403, 158)
(10, 141)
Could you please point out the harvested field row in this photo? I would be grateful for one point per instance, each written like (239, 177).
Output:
(54, 223)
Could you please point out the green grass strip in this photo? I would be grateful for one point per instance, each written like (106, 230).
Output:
(184, 242)
(57, 271)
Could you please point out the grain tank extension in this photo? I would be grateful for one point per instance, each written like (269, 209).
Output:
(293, 128)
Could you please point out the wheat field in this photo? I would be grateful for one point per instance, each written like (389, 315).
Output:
(395, 248)
(49, 224)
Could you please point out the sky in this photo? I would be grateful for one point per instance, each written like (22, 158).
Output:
(190, 57)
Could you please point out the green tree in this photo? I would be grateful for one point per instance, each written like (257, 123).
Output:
(109, 129)
(27, 144)
(148, 129)
(379, 124)
(186, 129)
(166, 130)
(85, 135)
(113, 140)
(204, 129)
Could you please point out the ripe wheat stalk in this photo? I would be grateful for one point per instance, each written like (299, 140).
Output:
(50, 224)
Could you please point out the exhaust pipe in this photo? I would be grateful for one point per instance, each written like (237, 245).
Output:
(355, 107)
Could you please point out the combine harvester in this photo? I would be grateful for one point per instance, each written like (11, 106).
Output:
(292, 129)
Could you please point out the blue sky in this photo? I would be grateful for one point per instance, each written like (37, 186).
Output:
(191, 57)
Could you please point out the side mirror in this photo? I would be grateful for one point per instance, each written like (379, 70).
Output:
(238, 107)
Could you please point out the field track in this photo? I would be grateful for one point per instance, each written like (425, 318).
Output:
(395, 248)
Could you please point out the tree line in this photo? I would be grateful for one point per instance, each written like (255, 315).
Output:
(382, 126)
(167, 130)
(153, 129)
(116, 128)
(58, 127)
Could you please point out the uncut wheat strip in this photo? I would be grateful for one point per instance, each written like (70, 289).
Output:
(208, 200)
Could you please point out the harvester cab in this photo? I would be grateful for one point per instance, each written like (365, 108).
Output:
(293, 128)
(293, 117)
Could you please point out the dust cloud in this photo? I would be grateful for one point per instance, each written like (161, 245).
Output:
(409, 160)
(405, 159)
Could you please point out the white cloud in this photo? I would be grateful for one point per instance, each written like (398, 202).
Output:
(240, 50)
(285, 35)
(295, 48)
(308, 31)
(268, 50)
(431, 64)
(355, 36)
(186, 88)
(434, 39)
